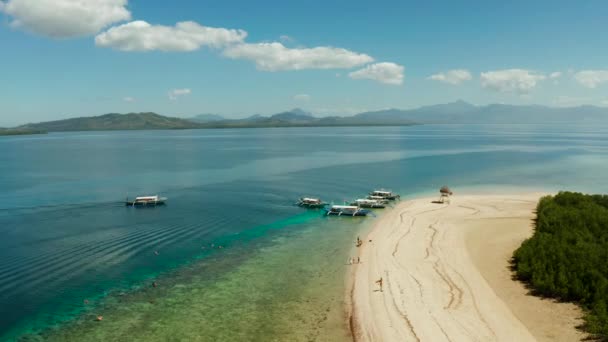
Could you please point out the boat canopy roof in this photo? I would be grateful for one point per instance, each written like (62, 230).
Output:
(366, 200)
(384, 192)
(147, 198)
(344, 207)
(309, 199)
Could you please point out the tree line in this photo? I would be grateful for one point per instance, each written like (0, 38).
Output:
(567, 257)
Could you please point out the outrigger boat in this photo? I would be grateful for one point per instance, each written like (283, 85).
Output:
(346, 210)
(146, 201)
(369, 203)
(308, 202)
(385, 194)
(378, 199)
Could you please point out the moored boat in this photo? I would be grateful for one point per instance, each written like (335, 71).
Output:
(378, 199)
(346, 210)
(385, 194)
(308, 202)
(146, 201)
(369, 203)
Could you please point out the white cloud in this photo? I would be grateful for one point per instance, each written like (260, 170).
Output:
(554, 75)
(591, 78)
(604, 103)
(454, 77)
(388, 73)
(65, 18)
(176, 93)
(302, 97)
(511, 80)
(184, 36)
(129, 99)
(276, 57)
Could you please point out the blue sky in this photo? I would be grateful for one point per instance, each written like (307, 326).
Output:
(338, 57)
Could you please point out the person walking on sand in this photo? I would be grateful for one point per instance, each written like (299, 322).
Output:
(379, 282)
(358, 260)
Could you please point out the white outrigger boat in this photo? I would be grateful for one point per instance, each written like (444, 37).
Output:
(369, 203)
(346, 210)
(146, 201)
(385, 194)
(378, 199)
(308, 202)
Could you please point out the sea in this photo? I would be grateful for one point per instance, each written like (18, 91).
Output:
(232, 257)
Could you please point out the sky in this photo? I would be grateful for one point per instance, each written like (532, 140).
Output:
(70, 58)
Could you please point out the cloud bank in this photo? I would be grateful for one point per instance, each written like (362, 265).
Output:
(591, 78)
(177, 93)
(276, 57)
(519, 81)
(184, 36)
(76, 18)
(65, 18)
(387, 73)
(453, 77)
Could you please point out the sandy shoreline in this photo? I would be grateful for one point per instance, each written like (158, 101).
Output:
(446, 278)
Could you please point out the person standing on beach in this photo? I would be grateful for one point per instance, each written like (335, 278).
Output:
(379, 282)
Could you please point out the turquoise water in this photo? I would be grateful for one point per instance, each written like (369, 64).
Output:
(67, 237)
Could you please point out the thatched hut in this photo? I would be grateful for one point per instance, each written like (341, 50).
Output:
(445, 190)
(445, 194)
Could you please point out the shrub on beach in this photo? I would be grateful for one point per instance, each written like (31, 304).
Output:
(567, 257)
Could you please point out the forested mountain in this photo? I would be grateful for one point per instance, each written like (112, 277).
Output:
(131, 121)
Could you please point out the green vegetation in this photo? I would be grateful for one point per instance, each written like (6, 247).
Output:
(567, 258)
(17, 131)
(151, 121)
(108, 122)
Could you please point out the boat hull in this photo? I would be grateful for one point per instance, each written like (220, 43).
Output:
(370, 206)
(388, 198)
(347, 213)
(312, 206)
(143, 204)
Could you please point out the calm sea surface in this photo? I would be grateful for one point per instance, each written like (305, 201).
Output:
(70, 250)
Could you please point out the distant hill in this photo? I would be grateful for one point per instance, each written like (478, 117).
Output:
(204, 118)
(461, 112)
(131, 121)
(299, 118)
(458, 112)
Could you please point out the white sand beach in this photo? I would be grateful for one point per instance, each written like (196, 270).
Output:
(446, 278)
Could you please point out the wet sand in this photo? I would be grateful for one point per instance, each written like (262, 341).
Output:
(446, 278)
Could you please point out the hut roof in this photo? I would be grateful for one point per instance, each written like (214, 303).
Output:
(445, 190)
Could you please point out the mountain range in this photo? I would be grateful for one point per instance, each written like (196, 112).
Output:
(458, 112)
(461, 112)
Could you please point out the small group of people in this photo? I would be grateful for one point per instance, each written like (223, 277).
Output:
(359, 242)
(353, 260)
